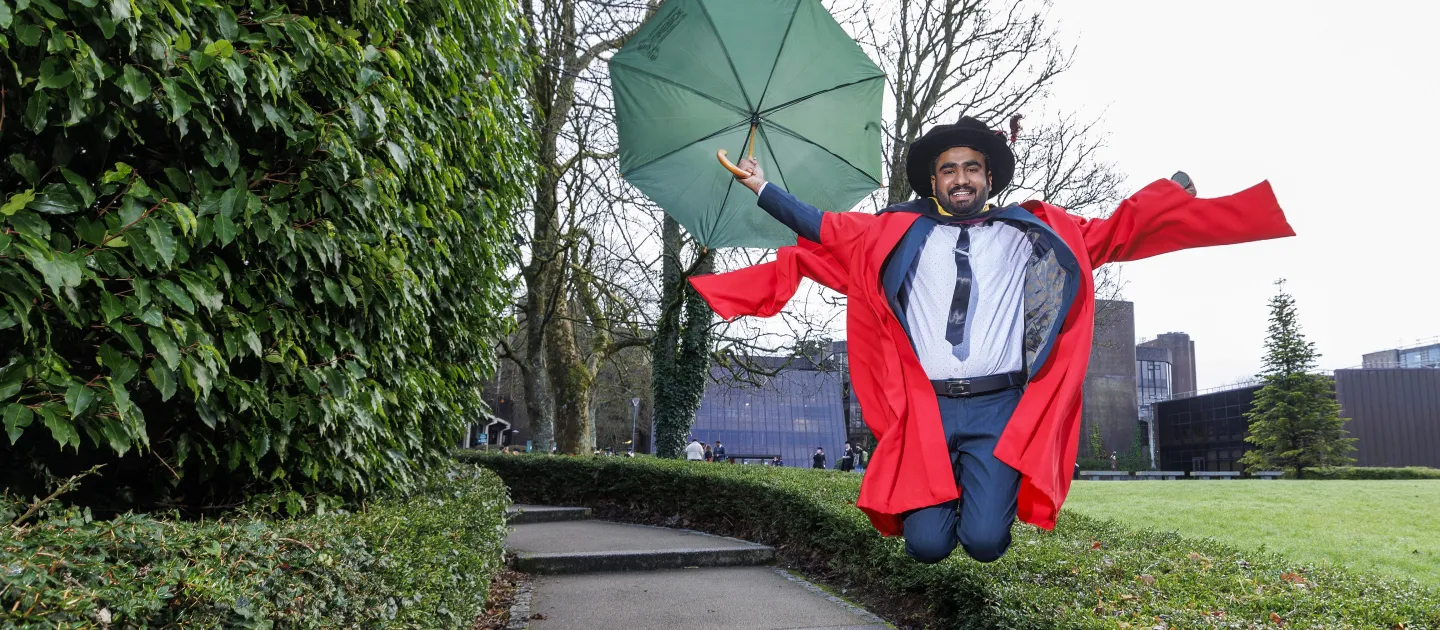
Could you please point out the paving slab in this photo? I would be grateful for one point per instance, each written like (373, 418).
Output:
(738, 598)
(586, 536)
(591, 546)
(523, 514)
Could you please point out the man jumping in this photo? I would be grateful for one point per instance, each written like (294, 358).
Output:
(970, 326)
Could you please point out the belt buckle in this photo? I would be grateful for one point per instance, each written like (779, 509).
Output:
(958, 387)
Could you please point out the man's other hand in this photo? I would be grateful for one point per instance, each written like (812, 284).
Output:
(757, 176)
(1180, 177)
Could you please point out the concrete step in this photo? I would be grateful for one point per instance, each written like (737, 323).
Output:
(602, 546)
(525, 514)
(737, 598)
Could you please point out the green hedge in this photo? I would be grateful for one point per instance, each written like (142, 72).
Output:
(1362, 472)
(419, 562)
(245, 243)
(1086, 574)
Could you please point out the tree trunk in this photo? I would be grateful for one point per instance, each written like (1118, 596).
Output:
(692, 364)
(570, 382)
(539, 406)
(667, 443)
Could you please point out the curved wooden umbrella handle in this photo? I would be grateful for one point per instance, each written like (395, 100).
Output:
(734, 170)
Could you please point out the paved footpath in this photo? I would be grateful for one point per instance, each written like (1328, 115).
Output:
(600, 575)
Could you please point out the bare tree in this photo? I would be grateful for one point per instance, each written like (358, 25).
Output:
(947, 58)
(567, 38)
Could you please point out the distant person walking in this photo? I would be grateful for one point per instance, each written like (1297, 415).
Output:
(709, 454)
(818, 459)
(719, 451)
(694, 452)
(847, 458)
(1112, 460)
(860, 459)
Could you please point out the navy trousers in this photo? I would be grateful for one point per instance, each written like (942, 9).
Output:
(980, 520)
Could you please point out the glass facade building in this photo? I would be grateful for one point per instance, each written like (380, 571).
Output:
(1422, 357)
(789, 414)
(1205, 433)
(1152, 378)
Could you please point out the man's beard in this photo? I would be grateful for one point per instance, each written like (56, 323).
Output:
(968, 209)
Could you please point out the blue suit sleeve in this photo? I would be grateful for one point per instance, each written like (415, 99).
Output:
(797, 215)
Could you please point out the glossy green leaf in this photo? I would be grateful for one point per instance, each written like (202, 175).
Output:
(61, 429)
(17, 417)
(221, 49)
(17, 201)
(176, 295)
(163, 379)
(135, 84)
(162, 239)
(111, 306)
(164, 346)
(78, 398)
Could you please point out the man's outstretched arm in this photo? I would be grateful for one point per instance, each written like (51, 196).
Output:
(1164, 217)
(797, 215)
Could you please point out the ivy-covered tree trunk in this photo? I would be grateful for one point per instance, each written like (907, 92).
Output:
(1295, 422)
(692, 363)
(667, 443)
(681, 352)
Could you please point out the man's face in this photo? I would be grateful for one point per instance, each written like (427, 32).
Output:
(961, 181)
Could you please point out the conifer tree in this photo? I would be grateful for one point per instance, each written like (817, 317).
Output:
(1295, 422)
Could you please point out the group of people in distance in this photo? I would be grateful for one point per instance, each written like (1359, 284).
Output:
(698, 451)
(852, 459)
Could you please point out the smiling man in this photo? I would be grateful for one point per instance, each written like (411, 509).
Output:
(970, 327)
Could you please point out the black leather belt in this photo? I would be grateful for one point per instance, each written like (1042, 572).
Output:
(978, 386)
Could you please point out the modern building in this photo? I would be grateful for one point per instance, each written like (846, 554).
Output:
(800, 407)
(1394, 415)
(1182, 360)
(1393, 412)
(1153, 372)
(1203, 432)
(1110, 394)
(1422, 356)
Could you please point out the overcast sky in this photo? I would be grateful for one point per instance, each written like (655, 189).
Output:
(1335, 103)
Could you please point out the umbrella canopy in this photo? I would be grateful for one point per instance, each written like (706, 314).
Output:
(700, 73)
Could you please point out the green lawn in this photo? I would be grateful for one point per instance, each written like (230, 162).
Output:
(1390, 527)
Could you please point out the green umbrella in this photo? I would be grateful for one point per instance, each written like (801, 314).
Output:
(700, 75)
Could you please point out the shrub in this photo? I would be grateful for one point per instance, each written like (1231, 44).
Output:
(1086, 574)
(419, 562)
(249, 243)
(1362, 472)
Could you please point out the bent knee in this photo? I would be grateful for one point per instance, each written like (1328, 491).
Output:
(929, 549)
(986, 546)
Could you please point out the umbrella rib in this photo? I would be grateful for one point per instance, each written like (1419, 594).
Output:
(733, 72)
(739, 110)
(792, 134)
(815, 94)
(784, 39)
(770, 146)
(690, 144)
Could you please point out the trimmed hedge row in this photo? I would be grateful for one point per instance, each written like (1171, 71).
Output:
(252, 243)
(424, 561)
(1362, 472)
(1088, 573)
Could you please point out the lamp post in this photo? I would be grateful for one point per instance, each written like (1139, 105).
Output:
(634, 413)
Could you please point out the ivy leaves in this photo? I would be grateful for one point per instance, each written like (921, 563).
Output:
(256, 234)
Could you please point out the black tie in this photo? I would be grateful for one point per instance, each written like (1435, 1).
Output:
(960, 304)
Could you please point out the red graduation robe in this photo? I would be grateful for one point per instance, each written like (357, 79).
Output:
(910, 467)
